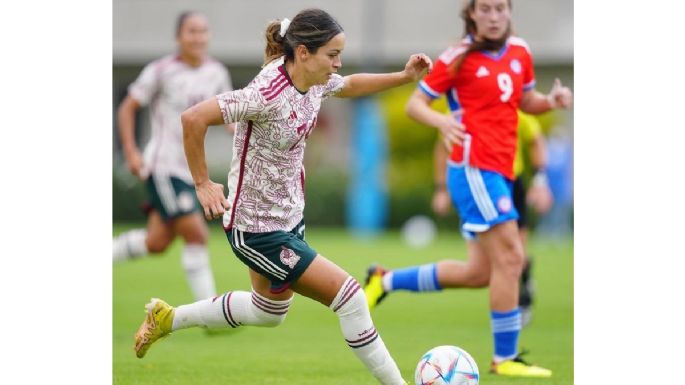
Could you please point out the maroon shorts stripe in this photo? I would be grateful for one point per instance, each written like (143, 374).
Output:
(280, 288)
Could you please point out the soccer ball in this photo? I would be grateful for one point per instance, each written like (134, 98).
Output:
(446, 365)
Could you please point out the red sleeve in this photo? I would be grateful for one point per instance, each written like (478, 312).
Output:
(442, 77)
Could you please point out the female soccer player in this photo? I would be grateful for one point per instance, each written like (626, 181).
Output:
(262, 216)
(170, 85)
(537, 195)
(488, 75)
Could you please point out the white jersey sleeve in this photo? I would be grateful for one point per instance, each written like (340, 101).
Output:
(241, 105)
(146, 85)
(335, 84)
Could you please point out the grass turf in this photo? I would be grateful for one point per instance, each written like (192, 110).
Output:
(308, 348)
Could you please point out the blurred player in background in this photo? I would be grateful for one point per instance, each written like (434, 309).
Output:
(263, 213)
(488, 75)
(536, 195)
(169, 85)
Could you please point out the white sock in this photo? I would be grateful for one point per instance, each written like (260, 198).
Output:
(129, 245)
(360, 334)
(387, 281)
(195, 260)
(232, 309)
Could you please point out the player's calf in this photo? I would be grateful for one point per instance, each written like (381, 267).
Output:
(360, 334)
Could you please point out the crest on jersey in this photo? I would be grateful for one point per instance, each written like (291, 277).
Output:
(482, 72)
(504, 204)
(515, 66)
(288, 257)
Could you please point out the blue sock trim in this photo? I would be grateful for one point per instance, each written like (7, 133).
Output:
(406, 279)
(506, 327)
(436, 284)
(416, 278)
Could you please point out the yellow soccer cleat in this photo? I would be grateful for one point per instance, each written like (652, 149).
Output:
(517, 367)
(373, 286)
(157, 324)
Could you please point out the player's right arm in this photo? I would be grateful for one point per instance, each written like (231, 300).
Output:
(195, 121)
(140, 93)
(430, 88)
(419, 108)
(126, 119)
(229, 107)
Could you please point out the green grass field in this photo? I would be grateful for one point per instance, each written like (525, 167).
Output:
(308, 348)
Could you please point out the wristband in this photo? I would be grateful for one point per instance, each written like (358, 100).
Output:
(440, 186)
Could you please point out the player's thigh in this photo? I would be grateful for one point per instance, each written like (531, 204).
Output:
(192, 228)
(264, 287)
(502, 245)
(321, 281)
(476, 257)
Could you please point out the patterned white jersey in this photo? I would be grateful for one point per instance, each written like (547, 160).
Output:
(266, 181)
(170, 86)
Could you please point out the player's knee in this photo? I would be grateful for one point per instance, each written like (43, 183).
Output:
(196, 236)
(156, 245)
(512, 260)
(270, 313)
(350, 299)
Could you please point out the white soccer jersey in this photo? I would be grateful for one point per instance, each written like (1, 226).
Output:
(170, 86)
(266, 181)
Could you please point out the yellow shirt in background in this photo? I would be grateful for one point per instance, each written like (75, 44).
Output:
(528, 129)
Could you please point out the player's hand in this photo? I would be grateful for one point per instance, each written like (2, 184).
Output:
(441, 202)
(540, 198)
(453, 132)
(560, 96)
(417, 64)
(134, 162)
(212, 199)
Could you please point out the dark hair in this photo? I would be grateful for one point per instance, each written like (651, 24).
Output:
(182, 19)
(470, 28)
(312, 28)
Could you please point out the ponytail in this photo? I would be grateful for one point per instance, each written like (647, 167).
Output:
(274, 42)
(312, 28)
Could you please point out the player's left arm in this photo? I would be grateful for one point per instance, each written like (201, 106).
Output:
(534, 102)
(365, 84)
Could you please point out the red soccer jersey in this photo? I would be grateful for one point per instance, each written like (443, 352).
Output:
(488, 88)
